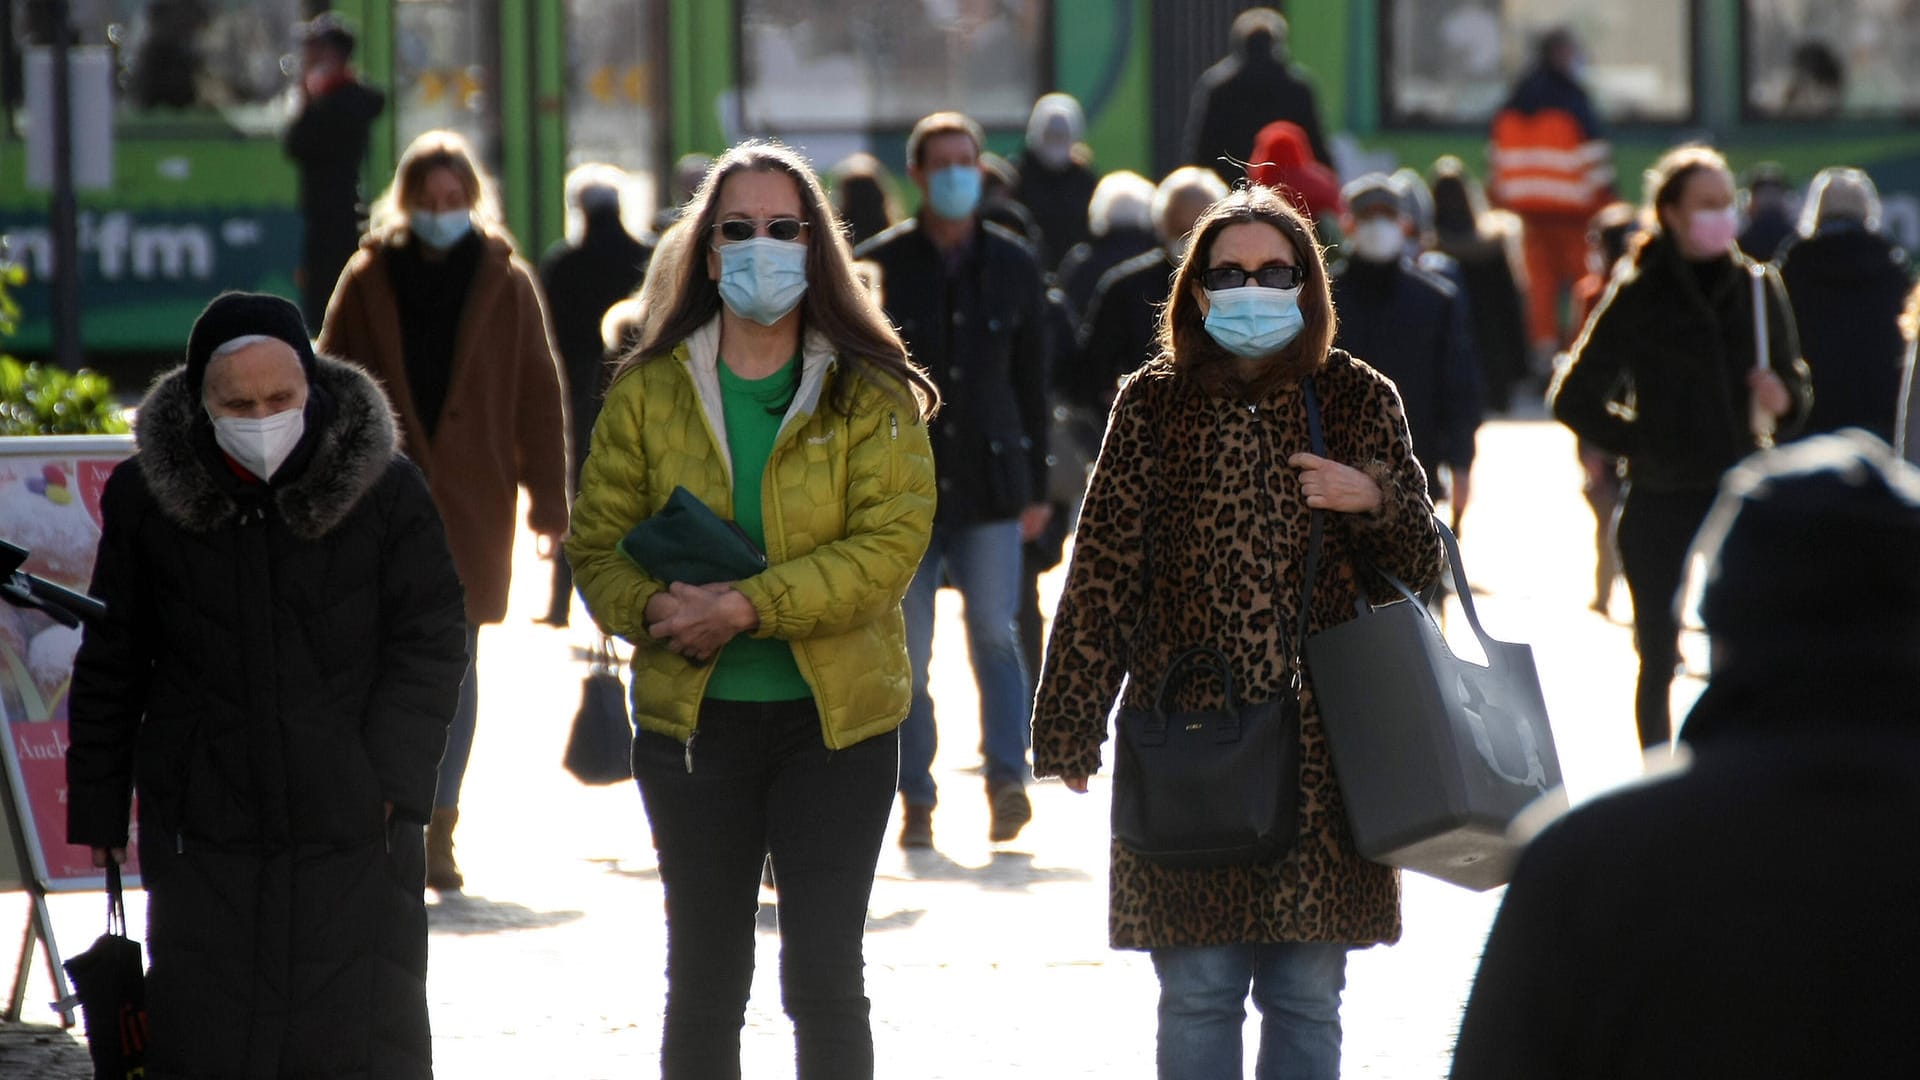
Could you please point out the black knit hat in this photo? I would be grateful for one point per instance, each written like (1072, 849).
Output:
(239, 314)
(1815, 549)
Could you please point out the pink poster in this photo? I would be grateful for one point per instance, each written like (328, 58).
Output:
(50, 505)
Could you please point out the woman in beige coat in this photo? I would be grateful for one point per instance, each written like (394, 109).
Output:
(437, 306)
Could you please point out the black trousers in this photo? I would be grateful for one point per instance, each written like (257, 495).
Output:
(762, 781)
(1655, 533)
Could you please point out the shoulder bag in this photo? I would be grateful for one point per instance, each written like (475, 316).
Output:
(1435, 755)
(1215, 787)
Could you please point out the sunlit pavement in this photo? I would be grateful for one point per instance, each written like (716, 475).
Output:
(982, 960)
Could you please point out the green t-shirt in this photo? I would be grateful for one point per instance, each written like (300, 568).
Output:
(750, 668)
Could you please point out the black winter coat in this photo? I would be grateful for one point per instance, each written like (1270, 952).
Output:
(1057, 199)
(581, 283)
(1081, 269)
(1118, 334)
(1659, 375)
(328, 141)
(1498, 313)
(277, 662)
(982, 334)
(1237, 97)
(1406, 323)
(1847, 289)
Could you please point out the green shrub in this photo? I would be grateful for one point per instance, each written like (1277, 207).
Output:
(39, 399)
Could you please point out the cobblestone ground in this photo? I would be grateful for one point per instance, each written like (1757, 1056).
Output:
(983, 960)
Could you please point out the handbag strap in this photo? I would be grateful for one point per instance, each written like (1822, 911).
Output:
(116, 900)
(1460, 587)
(1316, 442)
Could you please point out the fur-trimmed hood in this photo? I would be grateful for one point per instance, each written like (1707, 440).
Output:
(352, 452)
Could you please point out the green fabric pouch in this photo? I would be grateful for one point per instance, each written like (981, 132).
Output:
(686, 541)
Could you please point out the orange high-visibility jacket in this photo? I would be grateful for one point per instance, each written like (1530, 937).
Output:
(1545, 163)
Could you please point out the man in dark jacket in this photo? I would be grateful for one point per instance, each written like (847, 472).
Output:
(1407, 323)
(328, 141)
(1118, 335)
(1752, 915)
(284, 642)
(967, 298)
(1055, 182)
(1847, 284)
(581, 281)
(1253, 86)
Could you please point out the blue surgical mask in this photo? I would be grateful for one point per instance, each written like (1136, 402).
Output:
(1252, 321)
(954, 192)
(763, 278)
(441, 230)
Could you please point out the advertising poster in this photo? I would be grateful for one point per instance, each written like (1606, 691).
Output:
(50, 505)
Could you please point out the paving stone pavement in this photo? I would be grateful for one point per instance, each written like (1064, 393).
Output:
(983, 959)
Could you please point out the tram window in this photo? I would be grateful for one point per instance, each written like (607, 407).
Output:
(445, 71)
(1454, 61)
(177, 58)
(613, 112)
(858, 65)
(1821, 59)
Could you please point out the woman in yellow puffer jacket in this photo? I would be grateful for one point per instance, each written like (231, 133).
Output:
(767, 383)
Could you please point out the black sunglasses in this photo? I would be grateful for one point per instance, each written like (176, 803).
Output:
(1267, 277)
(734, 230)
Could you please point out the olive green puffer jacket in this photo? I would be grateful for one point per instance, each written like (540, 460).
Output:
(848, 505)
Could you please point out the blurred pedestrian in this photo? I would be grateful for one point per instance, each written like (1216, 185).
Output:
(581, 279)
(1056, 180)
(1766, 208)
(1675, 337)
(328, 144)
(863, 197)
(968, 300)
(1119, 333)
(1609, 237)
(1847, 283)
(1626, 943)
(273, 678)
(769, 385)
(1407, 323)
(1119, 226)
(1486, 245)
(1283, 159)
(688, 172)
(1552, 166)
(1193, 532)
(437, 306)
(1908, 430)
(1251, 87)
(998, 180)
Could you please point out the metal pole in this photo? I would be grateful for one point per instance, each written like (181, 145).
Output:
(65, 215)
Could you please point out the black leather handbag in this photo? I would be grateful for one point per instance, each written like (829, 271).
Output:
(110, 986)
(1215, 787)
(600, 746)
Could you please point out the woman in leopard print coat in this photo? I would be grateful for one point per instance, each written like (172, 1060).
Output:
(1206, 465)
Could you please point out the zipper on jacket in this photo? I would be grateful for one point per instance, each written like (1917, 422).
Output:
(690, 737)
(893, 425)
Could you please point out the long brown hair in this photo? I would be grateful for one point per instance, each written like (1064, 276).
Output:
(682, 298)
(430, 150)
(1186, 347)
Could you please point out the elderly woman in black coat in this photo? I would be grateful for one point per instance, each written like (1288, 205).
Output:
(283, 647)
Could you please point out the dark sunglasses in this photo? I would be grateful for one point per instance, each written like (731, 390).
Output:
(1267, 277)
(734, 230)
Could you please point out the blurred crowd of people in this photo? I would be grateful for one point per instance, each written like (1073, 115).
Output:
(886, 403)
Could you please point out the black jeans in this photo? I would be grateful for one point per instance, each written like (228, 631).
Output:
(762, 781)
(1655, 533)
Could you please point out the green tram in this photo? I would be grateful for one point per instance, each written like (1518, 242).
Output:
(204, 200)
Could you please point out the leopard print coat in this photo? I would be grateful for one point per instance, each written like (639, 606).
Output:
(1202, 483)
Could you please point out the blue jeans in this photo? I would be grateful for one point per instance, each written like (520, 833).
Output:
(983, 562)
(1203, 995)
(466, 715)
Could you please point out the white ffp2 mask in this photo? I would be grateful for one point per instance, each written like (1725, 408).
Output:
(260, 445)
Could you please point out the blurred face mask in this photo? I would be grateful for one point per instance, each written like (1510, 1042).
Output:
(1252, 321)
(441, 230)
(1379, 239)
(260, 444)
(954, 192)
(1711, 232)
(763, 278)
